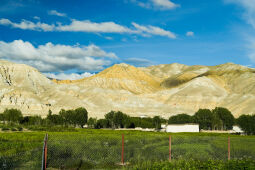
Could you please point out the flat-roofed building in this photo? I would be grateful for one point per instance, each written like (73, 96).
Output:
(175, 128)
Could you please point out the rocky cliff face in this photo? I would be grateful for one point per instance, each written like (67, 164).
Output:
(157, 90)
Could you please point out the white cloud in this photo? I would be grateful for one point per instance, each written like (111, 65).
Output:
(71, 76)
(54, 12)
(152, 30)
(108, 38)
(156, 4)
(249, 17)
(190, 34)
(27, 25)
(249, 6)
(50, 57)
(90, 27)
(164, 4)
(36, 17)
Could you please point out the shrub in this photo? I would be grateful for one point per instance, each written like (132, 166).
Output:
(20, 128)
(5, 129)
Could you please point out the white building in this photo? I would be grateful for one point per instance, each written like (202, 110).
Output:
(237, 129)
(175, 128)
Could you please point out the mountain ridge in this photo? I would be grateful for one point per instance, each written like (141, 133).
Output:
(163, 90)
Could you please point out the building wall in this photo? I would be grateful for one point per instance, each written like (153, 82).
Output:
(182, 128)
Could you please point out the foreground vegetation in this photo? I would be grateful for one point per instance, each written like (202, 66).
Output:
(89, 148)
(71, 147)
(247, 164)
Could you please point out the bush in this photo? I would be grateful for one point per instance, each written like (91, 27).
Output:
(20, 128)
(5, 129)
(13, 129)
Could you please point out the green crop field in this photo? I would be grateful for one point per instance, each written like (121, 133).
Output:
(87, 149)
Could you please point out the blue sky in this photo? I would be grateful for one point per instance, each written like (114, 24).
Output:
(70, 39)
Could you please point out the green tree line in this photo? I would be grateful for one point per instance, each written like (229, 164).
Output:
(77, 117)
(216, 119)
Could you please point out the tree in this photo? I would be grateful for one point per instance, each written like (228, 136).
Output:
(55, 119)
(12, 115)
(180, 119)
(66, 116)
(217, 123)
(109, 117)
(247, 124)
(49, 112)
(92, 122)
(225, 115)
(157, 122)
(102, 123)
(81, 116)
(118, 120)
(1, 117)
(35, 120)
(204, 118)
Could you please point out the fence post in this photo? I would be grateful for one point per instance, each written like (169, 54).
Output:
(170, 149)
(122, 153)
(44, 152)
(228, 148)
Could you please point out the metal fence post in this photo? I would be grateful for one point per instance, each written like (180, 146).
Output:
(228, 148)
(44, 152)
(170, 149)
(122, 153)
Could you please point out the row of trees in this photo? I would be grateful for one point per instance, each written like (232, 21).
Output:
(120, 120)
(77, 117)
(216, 119)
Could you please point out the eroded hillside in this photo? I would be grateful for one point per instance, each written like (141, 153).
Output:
(156, 90)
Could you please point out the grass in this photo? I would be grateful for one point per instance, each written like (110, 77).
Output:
(196, 164)
(85, 148)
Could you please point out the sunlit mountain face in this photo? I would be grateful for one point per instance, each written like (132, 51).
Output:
(164, 90)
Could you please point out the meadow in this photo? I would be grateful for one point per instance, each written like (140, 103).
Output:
(89, 149)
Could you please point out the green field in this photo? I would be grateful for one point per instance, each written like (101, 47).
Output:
(102, 149)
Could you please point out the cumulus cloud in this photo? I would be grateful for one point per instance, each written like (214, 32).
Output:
(54, 12)
(190, 34)
(140, 62)
(152, 30)
(51, 57)
(66, 76)
(27, 25)
(90, 27)
(156, 4)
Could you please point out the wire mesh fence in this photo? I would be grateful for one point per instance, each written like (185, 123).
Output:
(75, 150)
(23, 160)
(98, 151)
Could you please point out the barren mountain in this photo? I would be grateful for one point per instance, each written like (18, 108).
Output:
(156, 90)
